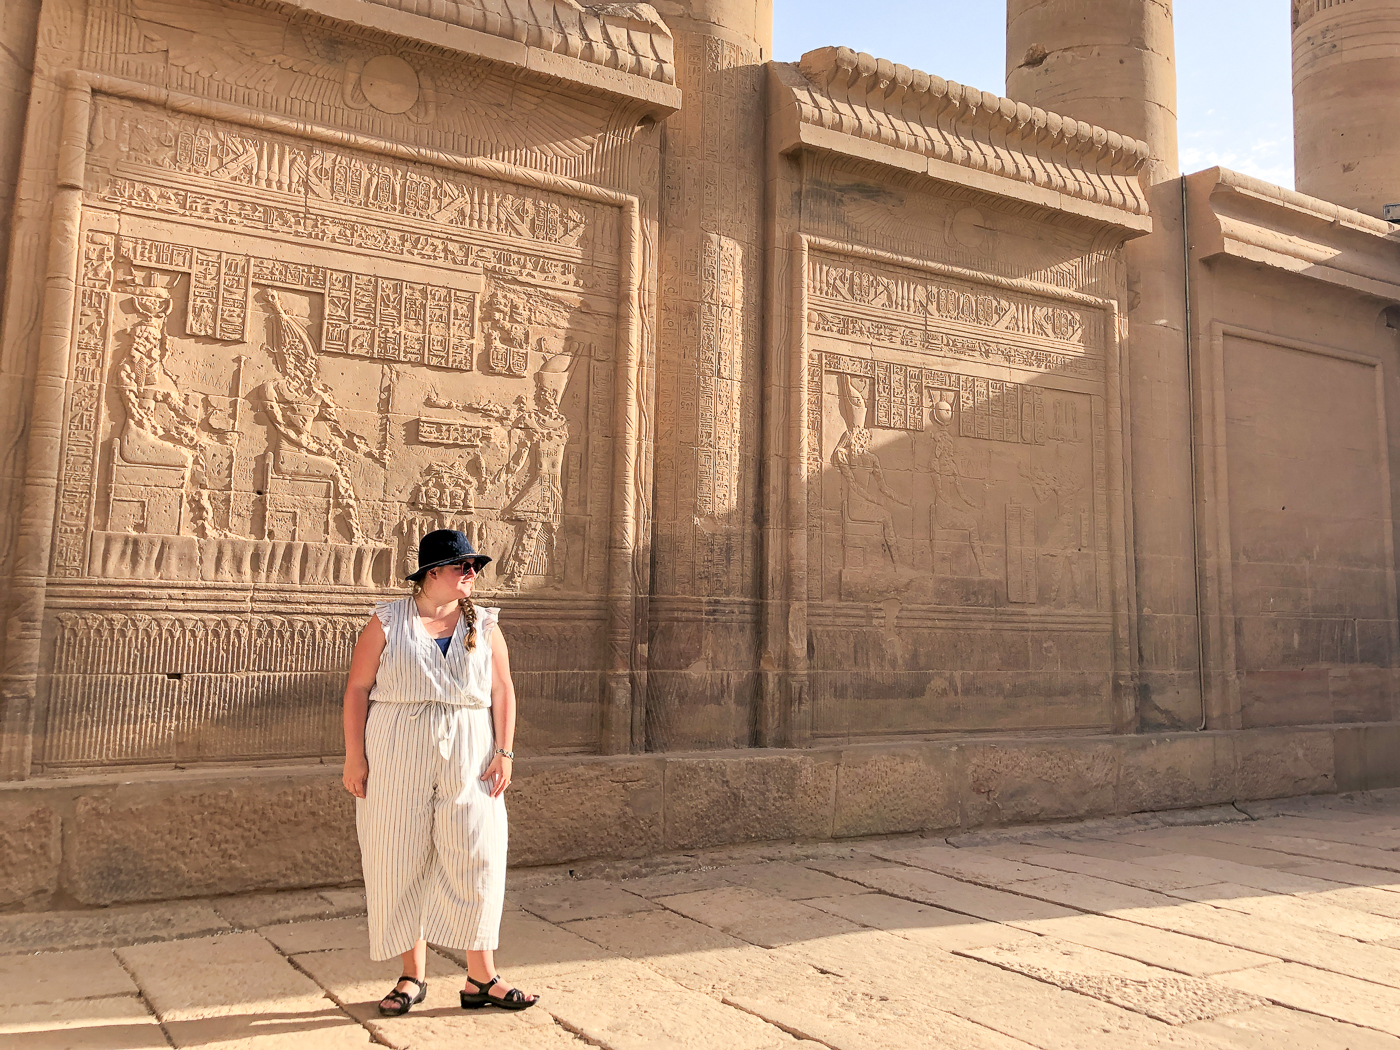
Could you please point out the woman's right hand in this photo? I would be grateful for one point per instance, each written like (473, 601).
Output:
(356, 775)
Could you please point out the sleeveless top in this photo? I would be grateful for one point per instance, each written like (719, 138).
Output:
(412, 669)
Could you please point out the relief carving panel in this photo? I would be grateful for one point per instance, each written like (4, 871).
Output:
(289, 361)
(283, 347)
(956, 437)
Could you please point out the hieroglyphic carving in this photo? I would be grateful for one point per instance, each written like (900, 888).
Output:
(887, 289)
(80, 426)
(239, 514)
(971, 494)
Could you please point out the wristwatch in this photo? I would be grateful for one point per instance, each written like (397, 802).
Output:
(503, 751)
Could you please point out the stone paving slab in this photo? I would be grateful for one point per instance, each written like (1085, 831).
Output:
(1279, 1028)
(86, 1024)
(1103, 936)
(1308, 911)
(319, 935)
(586, 899)
(59, 976)
(107, 927)
(265, 909)
(1329, 994)
(1113, 979)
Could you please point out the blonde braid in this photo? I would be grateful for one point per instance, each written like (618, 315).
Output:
(469, 611)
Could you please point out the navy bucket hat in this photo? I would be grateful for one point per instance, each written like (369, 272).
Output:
(446, 547)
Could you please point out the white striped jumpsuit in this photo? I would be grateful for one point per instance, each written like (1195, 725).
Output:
(432, 839)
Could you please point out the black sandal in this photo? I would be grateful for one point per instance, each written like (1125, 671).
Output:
(402, 1003)
(514, 999)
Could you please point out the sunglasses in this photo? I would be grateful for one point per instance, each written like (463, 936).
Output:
(466, 568)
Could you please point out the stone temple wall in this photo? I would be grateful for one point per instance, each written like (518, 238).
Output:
(795, 402)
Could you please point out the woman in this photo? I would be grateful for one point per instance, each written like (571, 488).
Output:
(429, 723)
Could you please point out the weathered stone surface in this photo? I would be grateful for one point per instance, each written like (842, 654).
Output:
(756, 917)
(1176, 772)
(715, 801)
(318, 935)
(1295, 762)
(883, 791)
(53, 977)
(945, 930)
(260, 833)
(968, 864)
(1278, 1028)
(82, 1024)
(236, 975)
(1039, 782)
(1159, 994)
(1301, 909)
(1168, 950)
(1334, 995)
(264, 909)
(623, 801)
(29, 863)
(58, 931)
(627, 1006)
(358, 984)
(583, 899)
(796, 882)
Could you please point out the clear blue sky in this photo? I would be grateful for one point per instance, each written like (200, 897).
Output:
(1234, 88)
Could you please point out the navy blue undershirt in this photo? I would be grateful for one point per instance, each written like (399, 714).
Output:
(443, 643)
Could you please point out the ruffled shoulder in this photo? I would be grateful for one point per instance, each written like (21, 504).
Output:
(486, 619)
(385, 611)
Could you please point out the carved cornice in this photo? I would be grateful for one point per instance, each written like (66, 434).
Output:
(857, 95)
(1305, 10)
(628, 37)
(1237, 216)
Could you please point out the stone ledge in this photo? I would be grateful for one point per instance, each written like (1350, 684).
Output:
(130, 837)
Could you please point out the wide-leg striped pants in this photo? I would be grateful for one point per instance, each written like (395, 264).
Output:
(432, 839)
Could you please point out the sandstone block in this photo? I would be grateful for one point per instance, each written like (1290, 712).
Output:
(755, 798)
(1022, 782)
(1176, 772)
(1284, 762)
(252, 834)
(622, 800)
(29, 863)
(883, 790)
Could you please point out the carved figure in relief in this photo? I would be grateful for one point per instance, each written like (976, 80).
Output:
(953, 507)
(1066, 540)
(532, 477)
(160, 429)
(308, 442)
(866, 489)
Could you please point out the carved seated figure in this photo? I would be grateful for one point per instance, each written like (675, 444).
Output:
(151, 456)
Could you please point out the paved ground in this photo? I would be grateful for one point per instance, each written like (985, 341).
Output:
(1272, 929)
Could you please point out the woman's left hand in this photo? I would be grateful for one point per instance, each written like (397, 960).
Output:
(498, 775)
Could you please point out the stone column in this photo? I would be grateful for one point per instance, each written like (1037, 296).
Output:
(1346, 101)
(1112, 63)
(703, 644)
